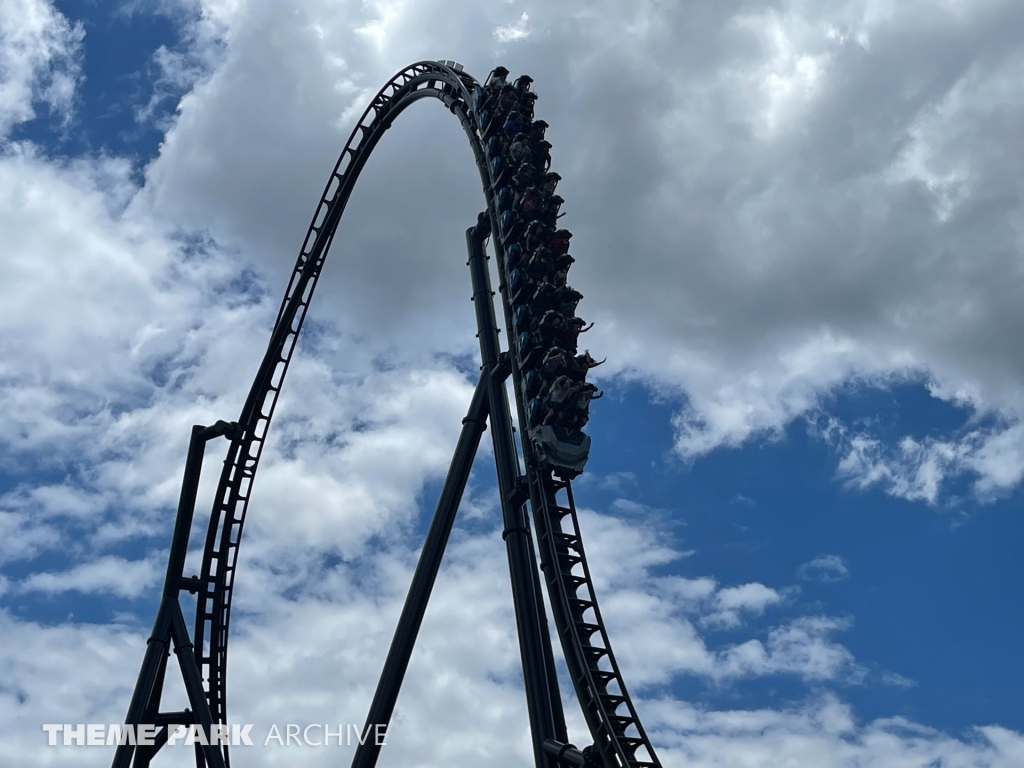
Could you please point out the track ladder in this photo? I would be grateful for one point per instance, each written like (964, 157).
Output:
(595, 673)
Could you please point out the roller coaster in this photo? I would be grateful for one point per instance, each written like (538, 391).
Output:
(553, 452)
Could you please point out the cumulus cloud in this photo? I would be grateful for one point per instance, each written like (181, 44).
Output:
(655, 621)
(39, 51)
(732, 601)
(359, 472)
(111, 575)
(809, 201)
(823, 732)
(917, 469)
(462, 695)
(116, 340)
(824, 568)
(802, 647)
(511, 32)
(21, 538)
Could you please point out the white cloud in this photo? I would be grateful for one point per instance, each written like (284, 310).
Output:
(512, 32)
(111, 575)
(732, 601)
(21, 537)
(342, 481)
(802, 647)
(39, 53)
(653, 620)
(916, 469)
(822, 733)
(897, 680)
(779, 91)
(462, 695)
(824, 568)
(815, 240)
(67, 673)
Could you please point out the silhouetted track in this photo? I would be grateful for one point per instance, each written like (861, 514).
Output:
(618, 735)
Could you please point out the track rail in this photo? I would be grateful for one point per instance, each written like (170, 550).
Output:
(609, 711)
(610, 714)
(213, 613)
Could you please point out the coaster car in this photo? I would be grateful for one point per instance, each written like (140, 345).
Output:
(565, 451)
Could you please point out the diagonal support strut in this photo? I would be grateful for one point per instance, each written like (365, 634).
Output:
(490, 403)
(397, 662)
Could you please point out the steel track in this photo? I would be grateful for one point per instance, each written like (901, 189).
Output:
(609, 712)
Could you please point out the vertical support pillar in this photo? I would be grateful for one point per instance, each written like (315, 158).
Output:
(547, 721)
(167, 627)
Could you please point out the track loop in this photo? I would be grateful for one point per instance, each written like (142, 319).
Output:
(609, 712)
(233, 491)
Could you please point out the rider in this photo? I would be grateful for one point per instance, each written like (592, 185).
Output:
(550, 327)
(557, 397)
(568, 299)
(549, 212)
(536, 235)
(522, 83)
(515, 125)
(549, 181)
(542, 155)
(496, 79)
(571, 339)
(537, 128)
(558, 242)
(520, 150)
(531, 204)
(522, 180)
(578, 366)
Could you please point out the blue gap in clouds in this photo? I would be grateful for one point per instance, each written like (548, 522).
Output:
(73, 606)
(482, 481)
(935, 596)
(938, 593)
(119, 73)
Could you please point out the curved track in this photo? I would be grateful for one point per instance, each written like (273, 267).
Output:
(619, 738)
(422, 80)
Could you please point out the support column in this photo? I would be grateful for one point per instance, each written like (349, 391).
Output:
(547, 721)
(146, 697)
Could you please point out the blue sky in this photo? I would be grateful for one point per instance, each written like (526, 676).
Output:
(801, 245)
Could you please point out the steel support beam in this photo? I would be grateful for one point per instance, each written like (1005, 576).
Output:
(397, 662)
(544, 703)
(169, 626)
